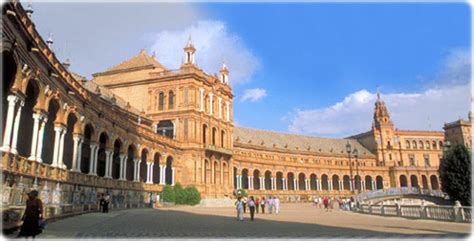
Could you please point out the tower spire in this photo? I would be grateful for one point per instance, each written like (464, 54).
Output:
(189, 52)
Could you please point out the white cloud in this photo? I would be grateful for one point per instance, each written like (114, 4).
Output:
(422, 110)
(214, 44)
(253, 94)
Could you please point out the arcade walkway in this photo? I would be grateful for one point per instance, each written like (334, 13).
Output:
(295, 220)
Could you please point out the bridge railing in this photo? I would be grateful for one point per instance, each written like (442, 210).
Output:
(442, 213)
(396, 191)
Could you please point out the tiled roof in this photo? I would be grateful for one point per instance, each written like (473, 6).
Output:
(268, 139)
(140, 60)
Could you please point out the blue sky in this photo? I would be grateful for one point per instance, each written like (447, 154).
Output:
(317, 65)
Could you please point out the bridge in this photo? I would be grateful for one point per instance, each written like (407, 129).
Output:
(395, 193)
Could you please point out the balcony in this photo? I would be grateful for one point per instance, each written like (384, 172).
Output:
(220, 150)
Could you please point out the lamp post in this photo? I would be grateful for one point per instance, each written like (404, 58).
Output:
(349, 150)
(356, 155)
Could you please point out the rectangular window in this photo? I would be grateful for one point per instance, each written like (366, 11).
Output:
(412, 160)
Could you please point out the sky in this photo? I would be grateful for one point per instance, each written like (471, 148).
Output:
(307, 68)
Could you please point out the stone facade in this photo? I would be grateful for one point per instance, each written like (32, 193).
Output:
(138, 126)
(459, 132)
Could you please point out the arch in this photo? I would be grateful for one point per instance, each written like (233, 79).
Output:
(214, 135)
(403, 181)
(268, 180)
(225, 180)
(156, 168)
(245, 179)
(368, 182)
(357, 183)
(324, 182)
(427, 145)
(256, 179)
(379, 182)
(421, 145)
(204, 133)
(413, 144)
(313, 182)
(86, 148)
(414, 181)
(170, 100)
(68, 140)
(9, 75)
(335, 182)
(301, 181)
(169, 171)
(116, 159)
(434, 182)
(290, 182)
(131, 155)
(440, 145)
(165, 128)
(433, 145)
(143, 165)
(407, 144)
(101, 156)
(279, 180)
(346, 182)
(49, 132)
(161, 101)
(424, 182)
(25, 133)
(216, 174)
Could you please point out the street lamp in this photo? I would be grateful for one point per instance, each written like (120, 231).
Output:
(349, 150)
(356, 155)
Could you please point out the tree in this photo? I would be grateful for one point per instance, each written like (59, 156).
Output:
(455, 174)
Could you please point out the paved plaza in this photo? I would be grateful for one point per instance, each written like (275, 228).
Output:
(295, 220)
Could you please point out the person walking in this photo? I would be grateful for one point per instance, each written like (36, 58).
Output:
(262, 203)
(239, 206)
(251, 204)
(32, 216)
(326, 203)
(257, 204)
(105, 208)
(101, 203)
(276, 202)
(270, 204)
(244, 201)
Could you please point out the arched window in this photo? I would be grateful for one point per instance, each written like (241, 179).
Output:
(222, 138)
(414, 144)
(440, 144)
(161, 101)
(407, 144)
(204, 133)
(214, 134)
(421, 145)
(170, 100)
(434, 145)
(428, 145)
(165, 128)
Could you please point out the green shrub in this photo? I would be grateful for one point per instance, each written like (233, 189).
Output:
(168, 194)
(179, 195)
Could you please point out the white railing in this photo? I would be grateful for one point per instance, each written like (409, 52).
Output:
(443, 213)
(397, 191)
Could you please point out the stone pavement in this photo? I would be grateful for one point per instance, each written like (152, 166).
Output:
(295, 220)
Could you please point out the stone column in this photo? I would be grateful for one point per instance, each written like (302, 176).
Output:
(284, 184)
(57, 140)
(295, 184)
(151, 172)
(172, 176)
(320, 185)
(201, 103)
(123, 167)
(373, 185)
(203, 171)
(75, 153)
(135, 170)
(307, 186)
(210, 103)
(16, 127)
(40, 139)
(12, 99)
(108, 155)
(262, 183)
(61, 149)
(34, 138)
(138, 169)
(250, 178)
(91, 159)
(341, 185)
(148, 172)
(161, 174)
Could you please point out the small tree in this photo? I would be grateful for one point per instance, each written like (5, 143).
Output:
(455, 174)
(180, 194)
(193, 196)
(168, 194)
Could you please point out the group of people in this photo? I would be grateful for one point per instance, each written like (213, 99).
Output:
(331, 203)
(104, 202)
(254, 205)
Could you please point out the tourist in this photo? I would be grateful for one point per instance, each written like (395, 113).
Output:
(244, 201)
(276, 202)
(326, 203)
(251, 204)
(240, 209)
(331, 203)
(262, 203)
(32, 216)
(270, 204)
(315, 200)
(105, 208)
(101, 203)
(257, 204)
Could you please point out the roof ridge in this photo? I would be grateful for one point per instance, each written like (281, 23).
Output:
(292, 134)
(139, 60)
